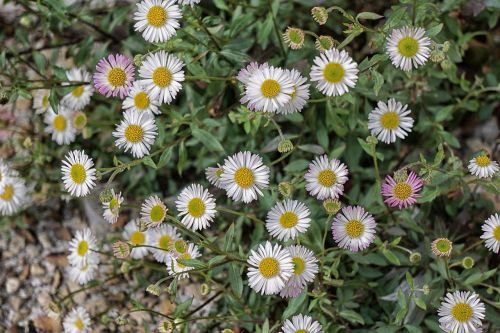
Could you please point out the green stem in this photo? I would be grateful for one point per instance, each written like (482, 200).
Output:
(277, 32)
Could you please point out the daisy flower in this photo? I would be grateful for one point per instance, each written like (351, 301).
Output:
(80, 248)
(245, 73)
(77, 321)
(157, 19)
(175, 267)
(13, 194)
(79, 96)
(136, 133)
(391, 120)
(196, 206)
(136, 237)
(325, 178)
(138, 100)
(335, 72)
(408, 47)
(287, 219)
(269, 268)
(461, 312)
(82, 273)
(305, 268)
(244, 176)
(78, 173)
(302, 324)
(163, 238)
(353, 228)
(491, 233)
(188, 2)
(300, 93)
(6, 172)
(402, 193)
(482, 166)
(214, 176)
(162, 75)
(41, 100)
(60, 125)
(112, 207)
(268, 89)
(114, 75)
(442, 247)
(153, 211)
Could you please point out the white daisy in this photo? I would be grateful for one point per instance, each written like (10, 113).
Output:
(162, 75)
(287, 219)
(163, 238)
(157, 19)
(80, 248)
(78, 173)
(41, 100)
(300, 93)
(301, 324)
(136, 132)
(153, 211)
(245, 73)
(214, 176)
(243, 176)
(82, 273)
(305, 265)
(482, 166)
(112, 207)
(6, 172)
(175, 267)
(353, 228)
(136, 237)
(60, 125)
(13, 195)
(461, 312)
(408, 47)
(188, 2)
(196, 206)
(79, 96)
(391, 120)
(138, 100)
(268, 89)
(269, 268)
(77, 321)
(325, 178)
(335, 72)
(491, 233)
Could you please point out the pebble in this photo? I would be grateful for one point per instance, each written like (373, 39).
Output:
(12, 285)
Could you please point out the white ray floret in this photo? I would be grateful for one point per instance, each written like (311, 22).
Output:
(77, 321)
(287, 219)
(353, 228)
(79, 96)
(196, 206)
(78, 173)
(408, 47)
(136, 133)
(390, 121)
(461, 312)
(491, 233)
(325, 178)
(158, 20)
(60, 125)
(483, 166)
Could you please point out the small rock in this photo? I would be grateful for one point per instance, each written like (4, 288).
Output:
(15, 302)
(60, 260)
(12, 285)
(37, 270)
(47, 323)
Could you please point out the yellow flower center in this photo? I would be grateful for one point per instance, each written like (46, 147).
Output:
(78, 91)
(244, 177)
(327, 178)
(294, 93)
(269, 267)
(45, 101)
(134, 133)
(185, 256)
(402, 191)
(141, 100)
(483, 161)
(299, 265)
(496, 233)
(289, 220)
(8, 193)
(82, 248)
(164, 242)
(114, 203)
(408, 47)
(79, 324)
(270, 88)
(333, 72)
(162, 77)
(196, 207)
(157, 213)
(137, 238)
(157, 16)
(180, 246)
(462, 312)
(59, 123)
(117, 77)
(354, 228)
(389, 120)
(301, 331)
(77, 173)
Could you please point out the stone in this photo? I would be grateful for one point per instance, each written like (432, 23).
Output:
(12, 285)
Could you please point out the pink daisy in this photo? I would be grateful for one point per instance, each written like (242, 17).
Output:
(114, 76)
(402, 193)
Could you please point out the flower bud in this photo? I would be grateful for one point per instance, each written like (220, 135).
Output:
(166, 326)
(138, 60)
(371, 140)
(227, 330)
(446, 64)
(121, 249)
(320, 15)
(415, 257)
(285, 189)
(121, 321)
(125, 267)
(285, 146)
(426, 289)
(437, 56)
(204, 289)
(154, 289)
(332, 206)
(27, 143)
(446, 46)
(294, 37)
(79, 120)
(324, 43)
(468, 262)
(106, 195)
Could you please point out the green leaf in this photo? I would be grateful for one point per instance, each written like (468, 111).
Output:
(39, 61)
(149, 162)
(409, 279)
(352, 316)
(207, 139)
(391, 257)
(194, 263)
(297, 166)
(235, 279)
(433, 31)
(479, 277)
(165, 157)
(420, 303)
(378, 80)
(228, 238)
(53, 101)
(180, 308)
(294, 305)
(368, 16)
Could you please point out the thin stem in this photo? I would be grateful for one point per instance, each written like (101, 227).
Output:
(277, 31)
(230, 211)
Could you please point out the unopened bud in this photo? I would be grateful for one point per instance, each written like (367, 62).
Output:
(154, 289)
(79, 120)
(446, 46)
(371, 140)
(468, 262)
(166, 326)
(285, 146)
(324, 43)
(426, 289)
(138, 60)
(285, 189)
(446, 64)
(415, 257)
(106, 195)
(332, 206)
(125, 267)
(294, 37)
(204, 289)
(121, 249)
(121, 321)
(320, 15)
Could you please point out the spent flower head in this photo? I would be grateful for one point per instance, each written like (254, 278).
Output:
(324, 43)
(320, 15)
(294, 37)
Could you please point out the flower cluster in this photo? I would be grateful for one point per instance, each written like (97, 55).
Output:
(83, 258)
(13, 190)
